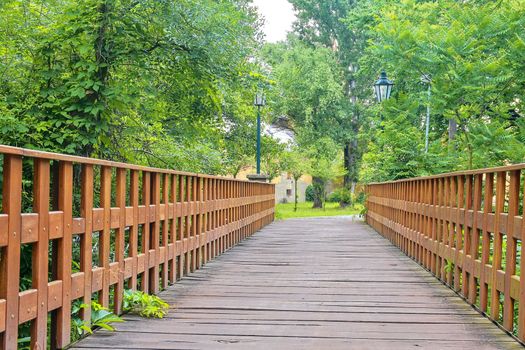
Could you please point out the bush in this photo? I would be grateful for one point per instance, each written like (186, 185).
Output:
(100, 317)
(360, 197)
(144, 305)
(309, 193)
(342, 196)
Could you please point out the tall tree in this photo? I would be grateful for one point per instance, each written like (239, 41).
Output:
(308, 93)
(470, 50)
(142, 81)
(322, 22)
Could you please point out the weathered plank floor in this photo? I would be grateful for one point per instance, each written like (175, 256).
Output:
(327, 283)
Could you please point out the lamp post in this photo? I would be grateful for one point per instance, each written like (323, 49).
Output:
(426, 79)
(383, 87)
(259, 101)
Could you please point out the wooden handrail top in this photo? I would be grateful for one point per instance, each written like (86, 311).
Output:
(494, 170)
(94, 161)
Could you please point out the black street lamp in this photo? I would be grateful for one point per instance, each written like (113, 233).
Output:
(383, 87)
(259, 101)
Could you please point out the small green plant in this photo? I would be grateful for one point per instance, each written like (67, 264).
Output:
(145, 305)
(343, 196)
(363, 212)
(100, 317)
(449, 266)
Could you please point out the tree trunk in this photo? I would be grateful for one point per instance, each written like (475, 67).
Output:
(452, 130)
(296, 199)
(318, 185)
(350, 164)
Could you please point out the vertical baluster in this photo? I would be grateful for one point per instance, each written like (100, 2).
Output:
(474, 250)
(10, 257)
(485, 245)
(134, 234)
(173, 230)
(155, 233)
(462, 230)
(86, 249)
(146, 201)
(40, 252)
(104, 237)
(120, 239)
(65, 204)
(510, 255)
(498, 240)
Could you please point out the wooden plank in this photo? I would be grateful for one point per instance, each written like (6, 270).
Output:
(155, 234)
(134, 230)
(180, 225)
(485, 247)
(346, 287)
(474, 247)
(65, 204)
(105, 234)
(40, 253)
(521, 306)
(173, 230)
(86, 240)
(497, 248)
(510, 254)
(10, 258)
(120, 242)
(146, 200)
(462, 242)
(165, 229)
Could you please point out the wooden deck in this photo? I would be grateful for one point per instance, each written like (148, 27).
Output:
(327, 283)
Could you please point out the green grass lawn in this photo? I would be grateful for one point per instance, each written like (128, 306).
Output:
(304, 210)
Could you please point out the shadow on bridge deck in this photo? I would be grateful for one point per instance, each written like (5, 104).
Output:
(324, 283)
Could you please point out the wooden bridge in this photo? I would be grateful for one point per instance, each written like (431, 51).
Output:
(324, 283)
(94, 228)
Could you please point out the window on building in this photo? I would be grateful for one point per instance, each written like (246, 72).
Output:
(288, 192)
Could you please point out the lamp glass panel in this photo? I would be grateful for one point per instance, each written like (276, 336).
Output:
(377, 92)
(384, 91)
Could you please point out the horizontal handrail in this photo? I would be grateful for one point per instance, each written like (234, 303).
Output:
(97, 227)
(467, 228)
(102, 162)
(512, 167)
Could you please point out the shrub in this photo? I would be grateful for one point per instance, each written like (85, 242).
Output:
(100, 317)
(144, 305)
(360, 197)
(309, 193)
(343, 196)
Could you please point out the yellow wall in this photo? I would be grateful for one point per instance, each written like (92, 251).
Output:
(251, 170)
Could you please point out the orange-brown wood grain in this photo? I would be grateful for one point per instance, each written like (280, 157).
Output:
(464, 227)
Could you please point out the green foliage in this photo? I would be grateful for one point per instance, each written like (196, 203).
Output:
(100, 317)
(308, 94)
(309, 193)
(111, 79)
(145, 305)
(473, 52)
(272, 156)
(449, 266)
(286, 211)
(343, 196)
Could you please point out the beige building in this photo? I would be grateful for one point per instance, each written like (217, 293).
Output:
(284, 186)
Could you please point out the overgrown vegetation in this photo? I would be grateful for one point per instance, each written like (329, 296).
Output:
(143, 304)
(166, 84)
(101, 317)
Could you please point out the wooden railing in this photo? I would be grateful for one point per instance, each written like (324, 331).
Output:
(94, 228)
(467, 228)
